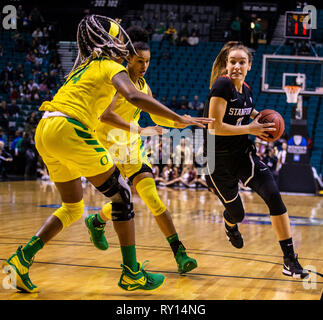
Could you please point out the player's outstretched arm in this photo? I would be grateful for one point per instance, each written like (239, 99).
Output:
(148, 104)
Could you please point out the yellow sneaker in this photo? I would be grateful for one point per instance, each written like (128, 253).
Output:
(18, 269)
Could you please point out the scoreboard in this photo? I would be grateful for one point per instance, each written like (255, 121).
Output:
(297, 25)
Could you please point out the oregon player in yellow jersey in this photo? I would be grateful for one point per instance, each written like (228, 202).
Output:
(129, 155)
(69, 146)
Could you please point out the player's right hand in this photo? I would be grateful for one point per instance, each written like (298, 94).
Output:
(260, 129)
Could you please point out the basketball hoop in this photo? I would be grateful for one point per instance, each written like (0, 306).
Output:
(292, 93)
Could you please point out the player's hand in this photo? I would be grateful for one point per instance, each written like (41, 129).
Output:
(187, 120)
(260, 129)
(153, 131)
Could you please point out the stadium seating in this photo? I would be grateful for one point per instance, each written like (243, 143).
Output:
(187, 72)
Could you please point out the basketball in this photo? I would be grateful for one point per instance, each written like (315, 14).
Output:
(269, 115)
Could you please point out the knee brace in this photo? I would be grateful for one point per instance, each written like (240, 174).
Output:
(119, 192)
(69, 212)
(147, 191)
(234, 211)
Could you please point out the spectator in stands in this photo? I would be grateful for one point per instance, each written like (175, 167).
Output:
(5, 86)
(281, 156)
(236, 29)
(169, 173)
(183, 103)
(3, 137)
(20, 17)
(183, 35)
(188, 175)
(35, 94)
(14, 94)
(29, 152)
(173, 104)
(43, 87)
(31, 122)
(196, 104)
(171, 34)
(183, 153)
(193, 38)
(35, 19)
(171, 18)
(37, 33)
(4, 76)
(16, 143)
(20, 72)
(51, 80)
(45, 34)
(5, 157)
(38, 60)
(1, 51)
(255, 32)
(48, 96)
(43, 47)
(41, 170)
(159, 32)
(155, 172)
(15, 149)
(9, 68)
(30, 57)
(3, 115)
(24, 92)
(32, 84)
(13, 109)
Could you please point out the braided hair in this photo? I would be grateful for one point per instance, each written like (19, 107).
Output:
(99, 36)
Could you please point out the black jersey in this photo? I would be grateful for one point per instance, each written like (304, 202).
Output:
(238, 111)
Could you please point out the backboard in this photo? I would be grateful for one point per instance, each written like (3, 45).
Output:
(281, 70)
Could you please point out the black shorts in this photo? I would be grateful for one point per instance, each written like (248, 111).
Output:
(229, 169)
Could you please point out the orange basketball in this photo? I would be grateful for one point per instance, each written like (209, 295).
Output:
(267, 116)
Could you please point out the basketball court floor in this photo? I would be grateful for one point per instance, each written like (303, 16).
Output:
(70, 267)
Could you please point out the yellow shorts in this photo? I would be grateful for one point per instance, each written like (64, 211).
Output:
(128, 158)
(70, 150)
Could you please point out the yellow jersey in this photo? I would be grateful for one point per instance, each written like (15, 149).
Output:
(131, 114)
(87, 92)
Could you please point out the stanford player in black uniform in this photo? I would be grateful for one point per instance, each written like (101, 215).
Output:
(234, 158)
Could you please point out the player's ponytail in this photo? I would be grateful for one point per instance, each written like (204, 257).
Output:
(139, 38)
(219, 65)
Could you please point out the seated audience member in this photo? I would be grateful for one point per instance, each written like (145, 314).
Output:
(5, 157)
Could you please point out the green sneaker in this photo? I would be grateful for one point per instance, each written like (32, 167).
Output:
(96, 233)
(184, 262)
(18, 268)
(140, 280)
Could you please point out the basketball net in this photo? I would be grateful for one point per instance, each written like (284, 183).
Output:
(292, 93)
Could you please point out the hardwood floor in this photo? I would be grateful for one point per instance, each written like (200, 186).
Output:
(70, 267)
